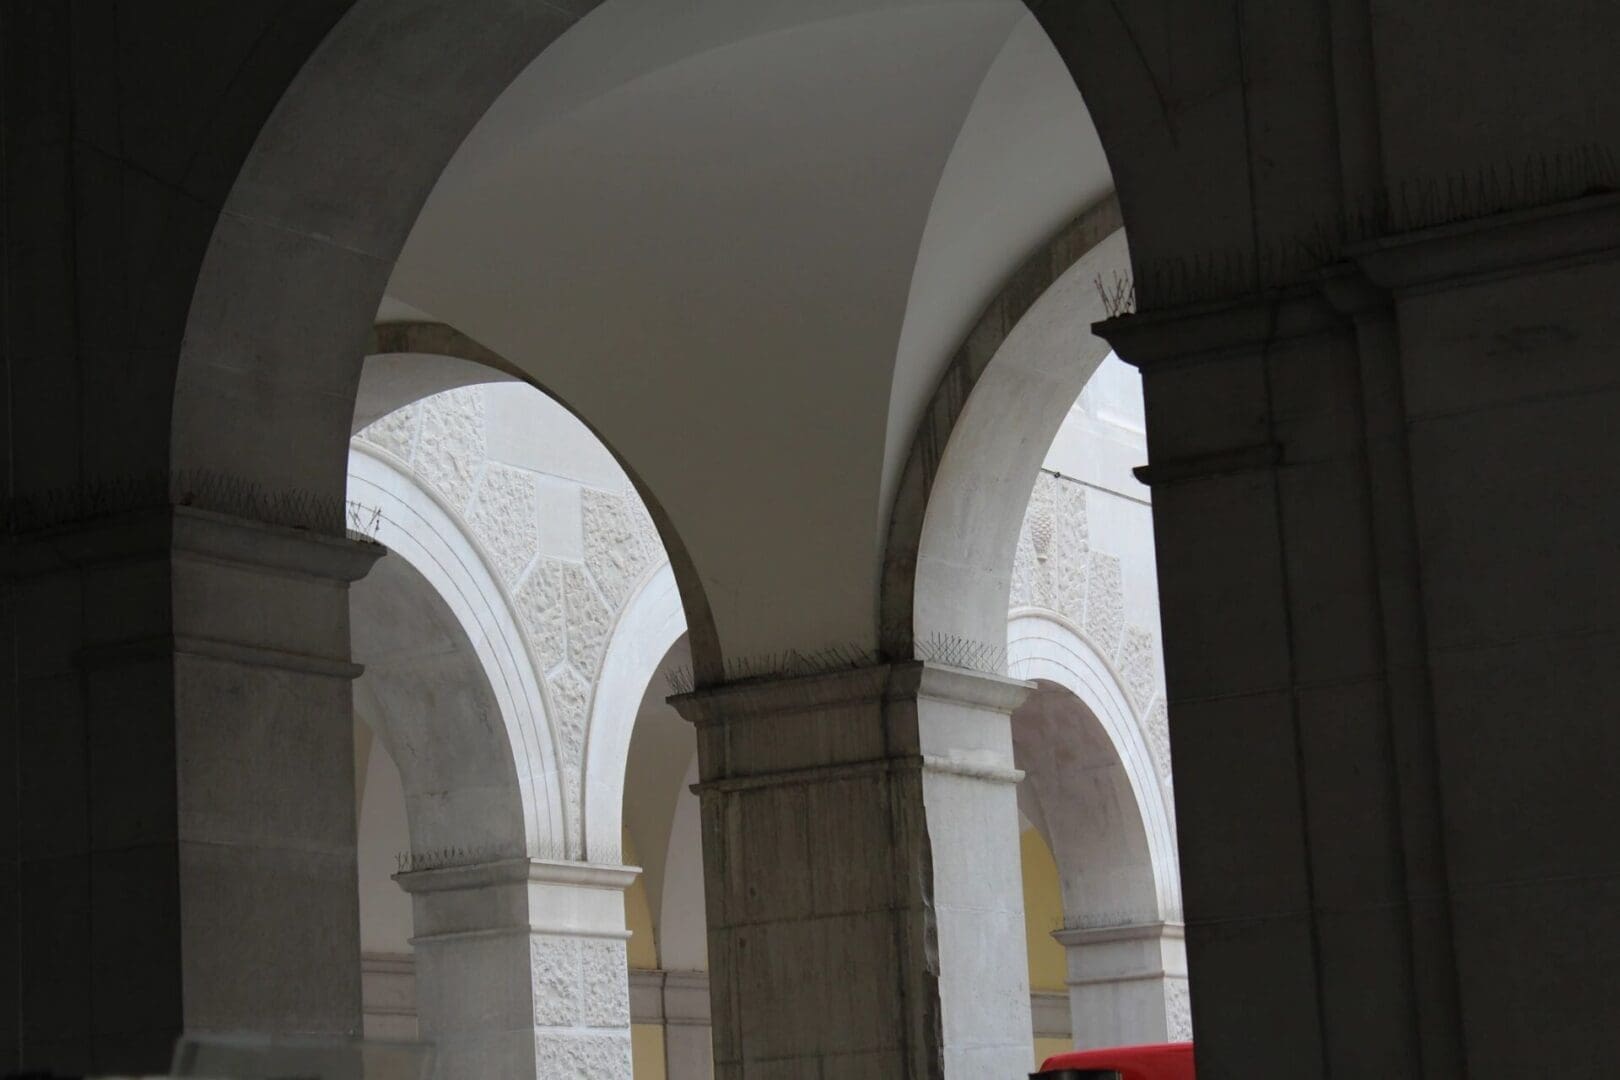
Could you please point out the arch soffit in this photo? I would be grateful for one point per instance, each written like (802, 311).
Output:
(646, 629)
(973, 462)
(1044, 645)
(414, 524)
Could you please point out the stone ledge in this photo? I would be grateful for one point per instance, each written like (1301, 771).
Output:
(518, 871)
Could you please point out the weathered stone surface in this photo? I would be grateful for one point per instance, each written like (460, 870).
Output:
(503, 517)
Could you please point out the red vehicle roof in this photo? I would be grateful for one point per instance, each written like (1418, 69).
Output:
(1160, 1061)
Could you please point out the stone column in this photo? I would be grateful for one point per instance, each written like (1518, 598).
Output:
(185, 750)
(1384, 516)
(521, 968)
(860, 846)
(1127, 984)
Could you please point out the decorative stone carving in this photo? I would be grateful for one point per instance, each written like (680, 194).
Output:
(570, 696)
(1139, 664)
(1157, 726)
(450, 447)
(616, 552)
(396, 432)
(1105, 602)
(504, 517)
(539, 603)
(1056, 568)
(590, 621)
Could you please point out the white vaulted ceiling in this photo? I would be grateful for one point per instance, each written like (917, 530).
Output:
(742, 239)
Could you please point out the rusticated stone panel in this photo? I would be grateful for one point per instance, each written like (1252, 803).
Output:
(579, 1056)
(554, 967)
(582, 1004)
(606, 982)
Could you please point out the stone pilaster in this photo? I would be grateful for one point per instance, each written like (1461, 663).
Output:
(521, 968)
(185, 742)
(860, 843)
(1384, 525)
(1127, 984)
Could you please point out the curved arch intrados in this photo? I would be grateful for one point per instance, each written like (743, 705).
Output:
(417, 528)
(1044, 648)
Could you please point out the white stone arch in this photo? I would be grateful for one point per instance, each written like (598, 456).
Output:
(1045, 646)
(412, 522)
(648, 626)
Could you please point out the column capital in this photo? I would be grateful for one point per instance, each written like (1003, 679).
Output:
(828, 726)
(518, 896)
(1080, 936)
(1168, 337)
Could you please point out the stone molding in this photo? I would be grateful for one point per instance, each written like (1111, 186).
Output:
(1147, 931)
(518, 871)
(1499, 245)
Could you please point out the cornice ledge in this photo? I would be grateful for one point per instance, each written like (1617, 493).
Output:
(518, 872)
(1166, 336)
(1500, 245)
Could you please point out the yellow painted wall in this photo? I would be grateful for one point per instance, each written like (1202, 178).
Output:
(1043, 913)
(1044, 1048)
(647, 1051)
(643, 947)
